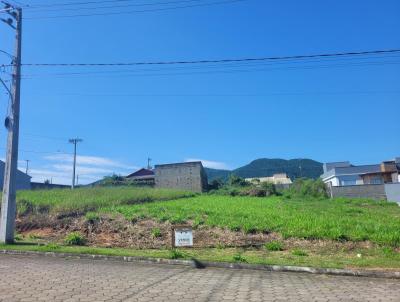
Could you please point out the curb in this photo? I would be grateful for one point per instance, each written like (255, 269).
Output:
(204, 264)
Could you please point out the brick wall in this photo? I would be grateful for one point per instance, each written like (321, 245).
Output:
(183, 176)
(362, 191)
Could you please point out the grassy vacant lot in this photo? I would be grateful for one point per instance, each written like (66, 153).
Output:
(307, 231)
(82, 200)
(339, 219)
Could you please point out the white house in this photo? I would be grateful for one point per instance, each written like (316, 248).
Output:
(345, 174)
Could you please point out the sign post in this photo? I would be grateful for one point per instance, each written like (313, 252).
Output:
(182, 236)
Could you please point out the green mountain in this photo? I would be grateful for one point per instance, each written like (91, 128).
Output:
(264, 167)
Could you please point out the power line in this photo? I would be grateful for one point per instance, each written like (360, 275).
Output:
(76, 3)
(134, 73)
(40, 10)
(212, 66)
(282, 93)
(40, 152)
(138, 11)
(277, 58)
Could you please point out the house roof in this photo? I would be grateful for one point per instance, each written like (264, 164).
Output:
(189, 163)
(351, 170)
(19, 172)
(141, 172)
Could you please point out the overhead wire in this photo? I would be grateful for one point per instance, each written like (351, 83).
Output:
(208, 61)
(136, 11)
(40, 10)
(133, 73)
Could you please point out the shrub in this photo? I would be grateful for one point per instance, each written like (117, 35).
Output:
(176, 254)
(269, 188)
(308, 188)
(216, 184)
(75, 238)
(256, 192)
(156, 233)
(239, 258)
(237, 181)
(92, 217)
(298, 252)
(274, 246)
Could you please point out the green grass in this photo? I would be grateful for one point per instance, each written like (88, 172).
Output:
(299, 252)
(339, 219)
(375, 258)
(75, 238)
(274, 246)
(82, 200)
(156, 233)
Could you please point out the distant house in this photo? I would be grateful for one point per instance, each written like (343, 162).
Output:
(346, 174)
(189, 176)
(277, 179)
(23, 179)
(142, 176)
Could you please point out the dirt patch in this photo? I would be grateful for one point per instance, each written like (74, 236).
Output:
(148, 234)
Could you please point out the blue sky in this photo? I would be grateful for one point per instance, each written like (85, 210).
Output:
(327, 110)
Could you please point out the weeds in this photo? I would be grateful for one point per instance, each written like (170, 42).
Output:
(176, 254)
(274, 246)
(239, 258)
(156, 233)
(75, 238)
(298, 252)
(92, 217)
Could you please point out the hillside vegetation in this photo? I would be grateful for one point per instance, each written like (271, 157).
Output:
(263, 167)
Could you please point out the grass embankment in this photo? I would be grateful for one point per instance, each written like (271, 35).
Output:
(337, 224)
(362, 258)
(339, 219)
(82, 200)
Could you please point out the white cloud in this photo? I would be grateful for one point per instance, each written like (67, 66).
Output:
(83, 169)
(58, 177)
(88, 160)
(210, 163)
(89, 168)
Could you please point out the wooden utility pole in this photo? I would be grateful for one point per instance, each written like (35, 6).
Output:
(8, 205)
(74, 141)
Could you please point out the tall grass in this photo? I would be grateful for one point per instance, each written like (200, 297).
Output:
(339, 219)
(82, 200)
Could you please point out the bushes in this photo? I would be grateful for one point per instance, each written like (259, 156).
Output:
(92, 217)
(274, 246)
(236, 181)
(156, 233)
(303, 187)
(75, 238)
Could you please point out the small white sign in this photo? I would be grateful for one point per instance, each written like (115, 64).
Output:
(183, 237)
